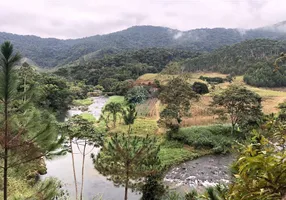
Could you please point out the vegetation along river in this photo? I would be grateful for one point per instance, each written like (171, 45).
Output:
(198, 173)
(95, 185)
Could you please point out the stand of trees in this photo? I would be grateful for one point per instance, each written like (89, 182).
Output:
(112, 70)
(27, 134)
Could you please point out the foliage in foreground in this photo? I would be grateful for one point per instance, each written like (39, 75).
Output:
(261, 167)
(26, 133)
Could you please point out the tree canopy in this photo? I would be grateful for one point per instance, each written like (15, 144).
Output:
(239, 105)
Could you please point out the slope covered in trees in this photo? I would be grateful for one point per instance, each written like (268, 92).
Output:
(52, 52)
(237, 58)
(113, 69)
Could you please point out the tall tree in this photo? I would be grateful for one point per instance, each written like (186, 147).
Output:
(238, 104)
(26, 133)
(26, 73)
(126, 159)
(7, 93)
(176, 95)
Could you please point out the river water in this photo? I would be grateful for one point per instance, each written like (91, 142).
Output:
(95, 185)
(200, 173)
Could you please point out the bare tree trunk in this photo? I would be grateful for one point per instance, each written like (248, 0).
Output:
(6, 153)
(126, 191)
(6, 97)
(74, 173)
(126, 183)
(82, 170)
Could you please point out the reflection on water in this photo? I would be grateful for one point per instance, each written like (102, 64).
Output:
(94, 183)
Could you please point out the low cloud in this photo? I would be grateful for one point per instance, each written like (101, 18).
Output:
(178, 35)
(74, 19)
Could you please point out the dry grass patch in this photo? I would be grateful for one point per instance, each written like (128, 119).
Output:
(148, 108)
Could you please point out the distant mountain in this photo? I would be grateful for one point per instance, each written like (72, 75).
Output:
(52, 52)
(279, 27)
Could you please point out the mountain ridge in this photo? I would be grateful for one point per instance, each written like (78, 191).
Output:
(52, 52)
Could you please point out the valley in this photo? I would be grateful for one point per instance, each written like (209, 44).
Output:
(148, 113)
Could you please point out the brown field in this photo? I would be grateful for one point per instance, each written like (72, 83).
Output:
(201, 111)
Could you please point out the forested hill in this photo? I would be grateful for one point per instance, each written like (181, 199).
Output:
(113, 69)
(53, 52)
(237, 58)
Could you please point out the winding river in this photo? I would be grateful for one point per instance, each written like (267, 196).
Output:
(95, 185)
(199, 173)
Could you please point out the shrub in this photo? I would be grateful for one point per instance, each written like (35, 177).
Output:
(216, 137)
(215, 80)
(200, 88)
(136, 95)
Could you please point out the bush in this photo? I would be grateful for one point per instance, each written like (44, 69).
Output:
(215, 80)
(136, 95)
(216, 137)
(122, 87)
(200, 88)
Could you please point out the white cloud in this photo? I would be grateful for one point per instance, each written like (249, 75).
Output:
(81, 18)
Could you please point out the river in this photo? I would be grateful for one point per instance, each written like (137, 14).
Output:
(95, 185)
(199, 173)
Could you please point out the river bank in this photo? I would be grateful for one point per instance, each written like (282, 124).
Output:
(95, 185)
(199, 173)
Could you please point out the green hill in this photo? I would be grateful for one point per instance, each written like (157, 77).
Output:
(51, 52)
(238, 58)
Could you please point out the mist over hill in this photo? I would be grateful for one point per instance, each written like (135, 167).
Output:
(51, 52)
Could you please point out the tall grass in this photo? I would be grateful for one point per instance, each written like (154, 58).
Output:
(148, 108)
(215, 137)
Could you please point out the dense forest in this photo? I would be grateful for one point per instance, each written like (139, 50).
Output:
(253, 58)
(113, 69)
(52, 52)
(238, 58)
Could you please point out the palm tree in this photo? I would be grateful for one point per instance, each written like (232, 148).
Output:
(8, 89)
(129, 115)
(114, 109)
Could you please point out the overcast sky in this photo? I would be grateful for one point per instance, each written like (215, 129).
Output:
(81, 18)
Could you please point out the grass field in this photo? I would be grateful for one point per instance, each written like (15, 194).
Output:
(116, 99)
(88, 116)
(82, 102)
(201, 111)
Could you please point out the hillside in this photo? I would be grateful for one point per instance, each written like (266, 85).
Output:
(238, 58)
(112, 68)
(52, 52)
